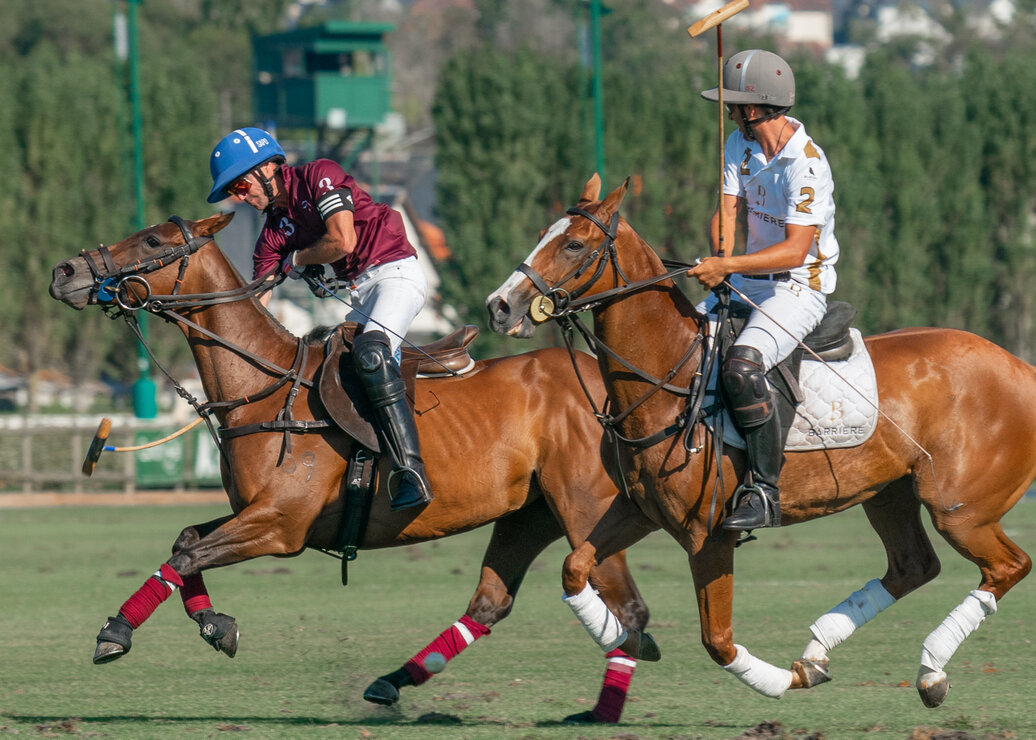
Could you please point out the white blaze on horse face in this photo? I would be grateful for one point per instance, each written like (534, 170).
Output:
(504, 291)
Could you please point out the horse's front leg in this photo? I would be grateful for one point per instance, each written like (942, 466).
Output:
(259, 529)
(621, 526)
(115, 637)
(712, 566)
(218, 630)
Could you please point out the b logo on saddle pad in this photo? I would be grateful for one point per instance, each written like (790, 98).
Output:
(839, 407)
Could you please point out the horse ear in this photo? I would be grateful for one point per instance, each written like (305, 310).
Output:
(212, 224)
(615, 197)
(592, 190)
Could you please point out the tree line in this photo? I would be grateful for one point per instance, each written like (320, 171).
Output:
(935, 180)
(934, 165)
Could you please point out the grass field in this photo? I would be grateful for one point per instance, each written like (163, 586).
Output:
(309, 647)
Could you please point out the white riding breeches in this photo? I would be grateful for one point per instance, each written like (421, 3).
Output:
(787, 311)
(388, 297)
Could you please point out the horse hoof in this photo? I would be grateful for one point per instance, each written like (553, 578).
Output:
(811, 672)
(220, 631)
(582, 718)
(106, 652)
(932, 686)
(642, 646)
(381, 692)
(114, 640)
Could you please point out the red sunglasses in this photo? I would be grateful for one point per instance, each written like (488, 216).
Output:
(239, 187)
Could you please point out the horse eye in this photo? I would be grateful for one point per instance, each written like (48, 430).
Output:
(153, 242)
(575, 246)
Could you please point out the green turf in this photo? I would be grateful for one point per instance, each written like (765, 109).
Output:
(309, 646)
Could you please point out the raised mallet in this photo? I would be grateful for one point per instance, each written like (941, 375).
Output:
(715, 20)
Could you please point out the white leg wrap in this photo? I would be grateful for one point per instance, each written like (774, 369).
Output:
(835, 627)
(944, 640)
(768, 680)
(603, 626)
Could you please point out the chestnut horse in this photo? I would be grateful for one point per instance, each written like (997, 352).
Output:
(956, 434)
(511, 443)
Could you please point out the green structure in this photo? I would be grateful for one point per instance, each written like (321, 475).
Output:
(335, 76)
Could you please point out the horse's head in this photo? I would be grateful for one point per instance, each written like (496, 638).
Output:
(116, 274)
(575, 259)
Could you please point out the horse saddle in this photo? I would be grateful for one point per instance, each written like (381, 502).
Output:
(343, 394)
(827, 398)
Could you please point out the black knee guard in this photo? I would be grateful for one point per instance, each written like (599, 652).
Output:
(745, 384)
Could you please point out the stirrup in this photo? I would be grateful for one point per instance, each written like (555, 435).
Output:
(417, 493)
(747, 515)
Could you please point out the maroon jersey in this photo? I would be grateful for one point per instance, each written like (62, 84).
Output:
(380, 236)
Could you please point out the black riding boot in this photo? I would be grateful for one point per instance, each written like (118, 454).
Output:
(757, 499)
(372, 357)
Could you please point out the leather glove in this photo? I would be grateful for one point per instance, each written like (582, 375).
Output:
(289, 268)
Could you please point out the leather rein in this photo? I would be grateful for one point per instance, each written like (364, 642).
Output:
(111, 287)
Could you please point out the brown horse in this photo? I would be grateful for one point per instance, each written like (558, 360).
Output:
(510, 443)
(956, 434)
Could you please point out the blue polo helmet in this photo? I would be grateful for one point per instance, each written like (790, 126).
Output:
(238, 153)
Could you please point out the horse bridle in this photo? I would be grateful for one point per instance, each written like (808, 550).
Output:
(555, 302)
(563, 306)
(110, 283)
(110, 286)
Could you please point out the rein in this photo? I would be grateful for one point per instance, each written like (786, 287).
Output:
(111, 286)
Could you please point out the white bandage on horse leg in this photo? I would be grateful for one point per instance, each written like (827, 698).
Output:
(944, 640)
(603, 626)
(768, 680)
(837, 625)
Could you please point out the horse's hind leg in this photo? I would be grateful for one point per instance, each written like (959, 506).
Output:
(517, 540)
(895, 515)
(115, 638)
(1002, 563)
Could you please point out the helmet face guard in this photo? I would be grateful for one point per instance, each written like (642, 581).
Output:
(237, 154)
(756, 77)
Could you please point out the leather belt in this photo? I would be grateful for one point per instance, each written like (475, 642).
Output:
(771, 276)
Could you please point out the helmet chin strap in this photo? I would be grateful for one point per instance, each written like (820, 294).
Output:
(746, 125)
(265, 182)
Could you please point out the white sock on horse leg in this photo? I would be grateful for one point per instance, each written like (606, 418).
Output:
(768, 680)
(944, 640)
(835, 627)
(603, 626)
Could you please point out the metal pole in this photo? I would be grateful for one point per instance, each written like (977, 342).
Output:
(144, 391)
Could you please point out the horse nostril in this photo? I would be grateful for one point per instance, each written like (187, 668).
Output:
(499, 308)
(66, 270)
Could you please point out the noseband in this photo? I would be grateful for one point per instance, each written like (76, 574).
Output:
(111, 281)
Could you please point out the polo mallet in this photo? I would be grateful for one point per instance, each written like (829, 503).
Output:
(715, 19)
(104, 429)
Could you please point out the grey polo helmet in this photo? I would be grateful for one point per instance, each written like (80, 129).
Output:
(756, 76)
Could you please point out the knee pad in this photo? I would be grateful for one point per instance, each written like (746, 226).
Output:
(371, 351)
(745, 384)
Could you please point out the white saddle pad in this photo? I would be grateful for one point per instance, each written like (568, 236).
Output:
(840, 406)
